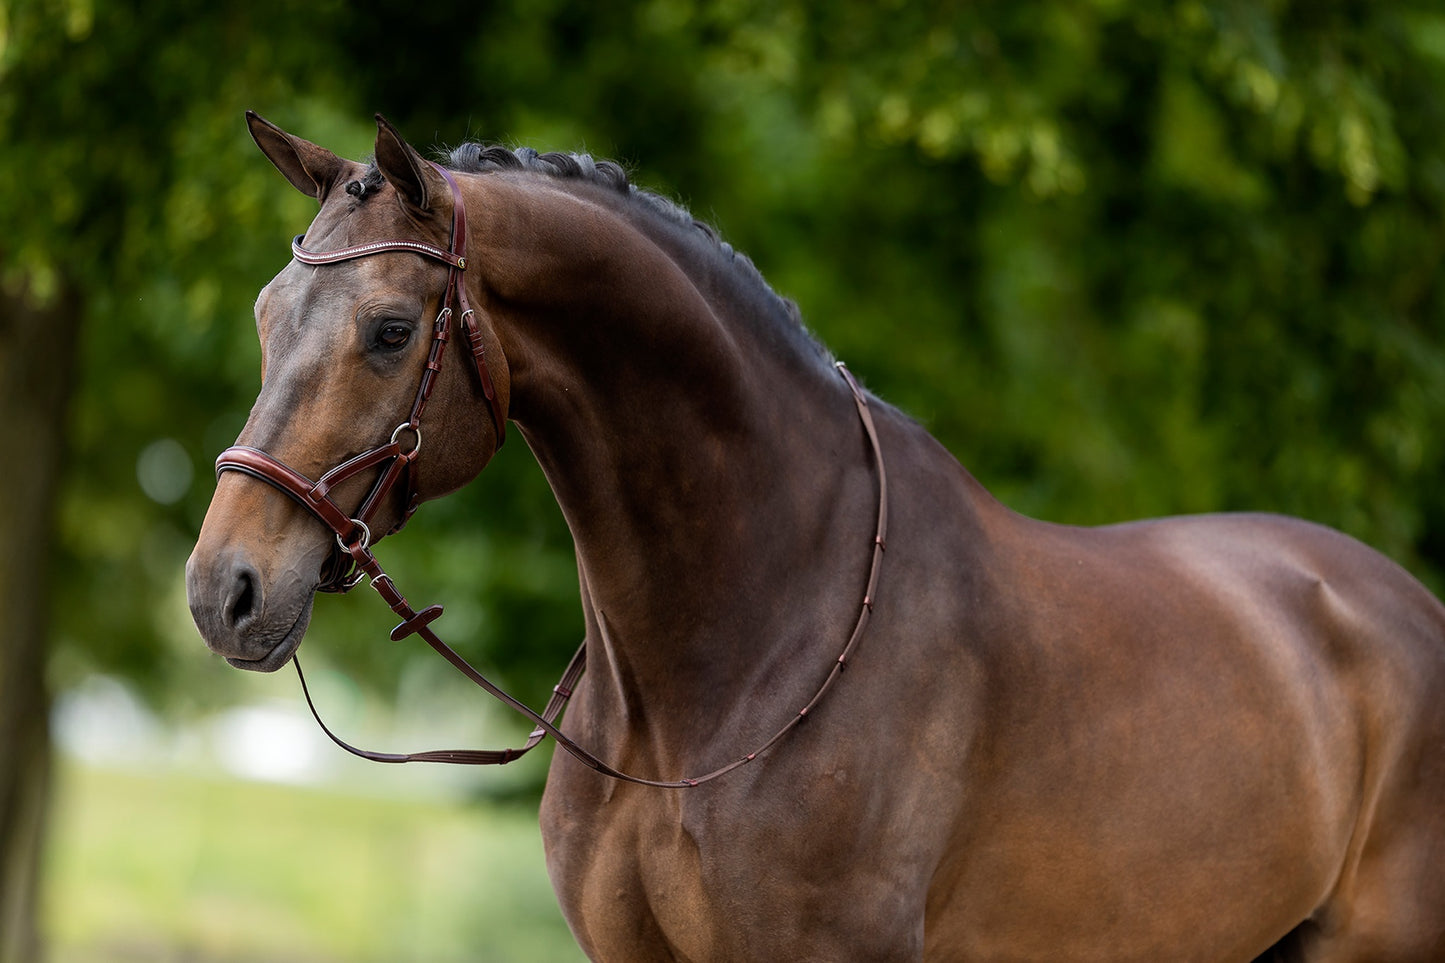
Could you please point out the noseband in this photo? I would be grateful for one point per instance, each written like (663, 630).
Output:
(353, 534)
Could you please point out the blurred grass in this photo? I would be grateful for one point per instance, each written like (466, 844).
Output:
(161, 866)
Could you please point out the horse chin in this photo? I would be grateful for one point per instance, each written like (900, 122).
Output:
(282, 652)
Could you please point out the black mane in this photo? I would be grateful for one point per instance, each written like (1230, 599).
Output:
(473, 158)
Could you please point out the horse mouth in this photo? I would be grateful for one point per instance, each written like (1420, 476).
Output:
(282, 651)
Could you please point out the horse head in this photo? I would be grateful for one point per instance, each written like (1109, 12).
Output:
(352, 332)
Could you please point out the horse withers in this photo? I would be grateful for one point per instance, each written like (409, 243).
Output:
(1214, 738)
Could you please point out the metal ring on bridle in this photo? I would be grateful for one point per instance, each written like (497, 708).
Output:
(363, 543)
(416, 430)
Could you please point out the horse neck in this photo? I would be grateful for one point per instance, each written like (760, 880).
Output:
(708, 464)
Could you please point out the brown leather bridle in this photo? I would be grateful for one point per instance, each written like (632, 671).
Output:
(396, 457)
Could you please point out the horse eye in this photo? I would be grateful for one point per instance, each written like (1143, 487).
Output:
(393, 335)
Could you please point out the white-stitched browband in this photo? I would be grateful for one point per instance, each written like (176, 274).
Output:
(375, 247)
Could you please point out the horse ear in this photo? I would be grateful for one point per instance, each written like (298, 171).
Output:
(311, 169)
(404, 169)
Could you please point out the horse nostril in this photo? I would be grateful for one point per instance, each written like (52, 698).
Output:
(243, 601)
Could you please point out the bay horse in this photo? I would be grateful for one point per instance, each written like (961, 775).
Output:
(1215, 738)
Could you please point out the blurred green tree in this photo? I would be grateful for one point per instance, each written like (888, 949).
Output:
(36, 342)
(122, 179)
(1125, 257)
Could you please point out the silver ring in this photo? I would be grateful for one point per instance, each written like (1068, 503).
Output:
(415, 429)
(363, 544)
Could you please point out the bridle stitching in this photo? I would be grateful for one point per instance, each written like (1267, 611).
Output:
(374, 247)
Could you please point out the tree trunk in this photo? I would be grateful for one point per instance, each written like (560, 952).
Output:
(37, 348)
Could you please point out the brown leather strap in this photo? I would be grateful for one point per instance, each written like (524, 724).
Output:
(312, 495)
(374, 247)
(419, 624)
(561, 692)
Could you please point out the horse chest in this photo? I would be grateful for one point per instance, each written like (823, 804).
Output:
(631, 878)
(727, 872)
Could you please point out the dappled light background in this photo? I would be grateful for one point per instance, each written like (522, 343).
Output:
(1123, 257)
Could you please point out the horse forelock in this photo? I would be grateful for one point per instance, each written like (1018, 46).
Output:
(367, 185)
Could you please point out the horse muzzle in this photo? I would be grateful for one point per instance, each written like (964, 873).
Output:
(252, 577)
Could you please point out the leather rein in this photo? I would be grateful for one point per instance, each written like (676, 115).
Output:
(354, 559)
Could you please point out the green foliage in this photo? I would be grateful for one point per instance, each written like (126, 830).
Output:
(121, 130)
(1124, 257)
